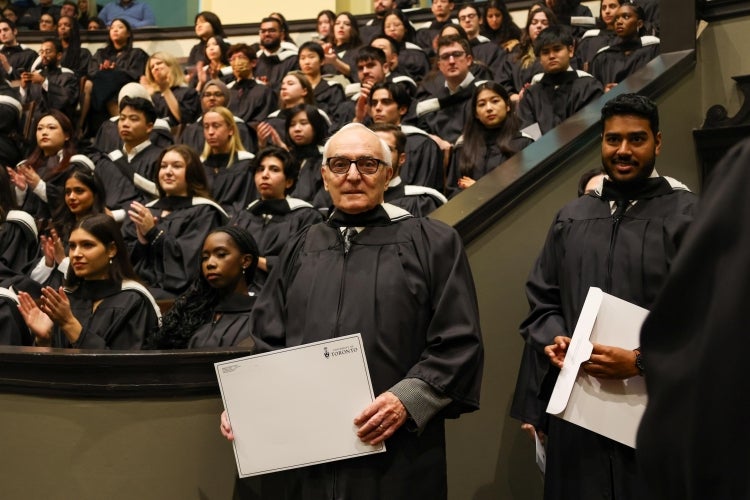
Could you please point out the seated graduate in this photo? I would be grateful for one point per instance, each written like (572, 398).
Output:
(276, 56)
(164, 236)
(112, 66)
(217, 65)
(108, 136)
(572, 14)
(50, 85)
(215, 93)
(523, 61)
(307, 130)
(102, 305)
(628, 52)
(207, 25)
(442, 10)
(16, 58)
(38, 180)
(392, 68)
(215, 311)
(482, 48)
(130, 171)
(491, 136)
(417, 200)
(173, 99)
(227, 164)
(19, 238)
(389, 103)
(341, 55)
(13, 329)
(11, 139)
(295, 90)
(329, 93)
(499, 25)
(412, 60)
(593, 40)
(276, 217)
(250, 100)
(83, 195)
(560, 91)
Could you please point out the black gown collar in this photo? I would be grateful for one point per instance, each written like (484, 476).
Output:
(173, 202)
(643, 189)
(374, 217)
(276, 207)
(559, 78)
(235, 302)
(97, 289)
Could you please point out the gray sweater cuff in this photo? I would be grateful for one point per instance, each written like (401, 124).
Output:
(420, 400)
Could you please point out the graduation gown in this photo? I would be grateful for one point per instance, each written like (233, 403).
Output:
(13, 329)
(171, 260)
(20, 59)
(417, 200)
(62, 91)
(493, 157)
(40, 203)
(614, 63)
(445, 114)
(251, 101)
(130, 64)
(412, 61)
(406, 286)
(272, 223)
(232, 323)
(629, 258)
(692, 442)
(231, 186)
(192, 135)
(329, 96)
(274, 67)
(19, 240)
(127, 311)
(108, 138)
(424, 160)
(592, 42)
(310, 180)
(189, 102)
(553, 97)
(128, 181)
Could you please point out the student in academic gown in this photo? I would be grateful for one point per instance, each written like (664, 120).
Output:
(593, 40)
(275, 217)
(499, 25)
(491, 136)
(341, 56)
(307, 130)
(692, 441)
(19, 239)
(215, 311)
(207, 25)
(13, 329)
(38, 180)
(412, 60)
(404, 283)
(217, 66)
(329, 95)
(419, 201)
(250, 100)
(103, 306)
(50, 85)
(522, 60)
(628, 52)
(227, 164)
(295, 89)
(164, 236)
(173, 99)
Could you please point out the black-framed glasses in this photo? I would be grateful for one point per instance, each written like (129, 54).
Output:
(456, 54)
(340, 165)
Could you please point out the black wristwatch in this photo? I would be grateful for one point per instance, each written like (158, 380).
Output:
(639, 361)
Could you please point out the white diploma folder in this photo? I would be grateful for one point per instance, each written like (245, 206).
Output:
(295, 407)
(612, 408)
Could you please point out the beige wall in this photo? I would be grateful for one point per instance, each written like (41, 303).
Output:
(238, 12)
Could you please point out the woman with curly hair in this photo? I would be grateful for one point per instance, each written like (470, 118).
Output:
(215, 311)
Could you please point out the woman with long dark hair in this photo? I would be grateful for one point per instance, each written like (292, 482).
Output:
(112, 66)
(499, 25)
(307, 130)
(165, 235)
(324, 26)
(341, 55)
(275, 217)
(412, 60)
(592, 41)
(39, 179)
(295, 89)
(523, 60)
(215, 311)
(207, 25)
(217, 65)
(102, 305)
(490, 137)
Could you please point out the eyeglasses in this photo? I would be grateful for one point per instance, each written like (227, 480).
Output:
(458, 54)
(47, 52)
(208, 95)
(340, 165)
(466, 17)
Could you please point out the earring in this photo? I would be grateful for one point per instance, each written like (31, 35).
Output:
(110, 262)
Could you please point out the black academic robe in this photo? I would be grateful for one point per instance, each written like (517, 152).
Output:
(272, 223)
(251, 101)
(348, 54)
(592, 42)
(125, 313)
(413, 61)
(130, 64)
(231, 186)
(329, 96)
(108, 138)
(83, 65)
(618, 61)
(197, 53)
(519, 75)
(553, 97)
(426, 36)
(628, 257)
(170, 261)
(125, 181)
(19, 240)
(692, 441)
(20, 59)
(62, 92)
(492, 158)
(192, 135)
(310, 180)
(418, 319)
(424, 160)
(13, 329)
(419, 201)
(445, 114)
(41, 207)
(230, 326)
(483, 50)
(30, 18)
(189, 102)
(273, 68)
